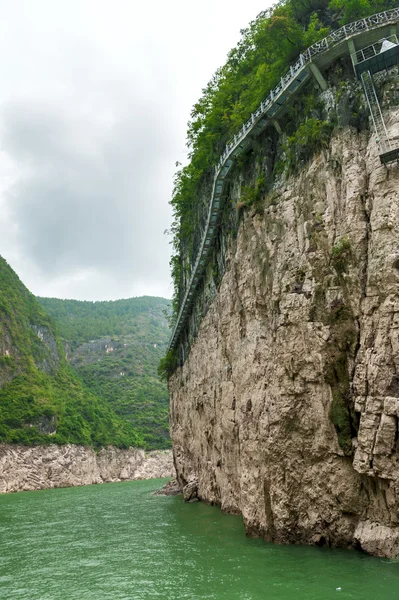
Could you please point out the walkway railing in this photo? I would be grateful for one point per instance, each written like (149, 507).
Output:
(291, 80)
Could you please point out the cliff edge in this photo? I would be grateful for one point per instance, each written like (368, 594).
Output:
(286, 406)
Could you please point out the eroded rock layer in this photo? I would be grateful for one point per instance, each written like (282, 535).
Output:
(286, 408)
(40, 467)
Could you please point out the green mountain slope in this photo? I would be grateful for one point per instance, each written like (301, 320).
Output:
(115, 348)
(41, 399)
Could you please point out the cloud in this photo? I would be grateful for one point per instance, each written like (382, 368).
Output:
(87, 196)
(95, 100)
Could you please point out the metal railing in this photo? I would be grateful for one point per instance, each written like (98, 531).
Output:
(383, 141)
(237, 144)
(331, 40)
(373, 50)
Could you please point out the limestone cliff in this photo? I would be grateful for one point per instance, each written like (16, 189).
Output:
(286, 407)
(25, 468)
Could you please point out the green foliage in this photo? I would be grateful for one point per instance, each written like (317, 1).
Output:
(81, 417)
(167, 365)
(45, 400)
(81, 321)
(340, 255)
(263, 54)
(310, 136)
(351, 10)
(304, 10)
(345, 11)
(115, 347)
(36, 384)
(252, 195)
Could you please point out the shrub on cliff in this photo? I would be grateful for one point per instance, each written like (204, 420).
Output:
(167, 365)
(310, 136)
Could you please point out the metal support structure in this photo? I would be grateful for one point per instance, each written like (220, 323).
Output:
(387, 151)
(376, 113)
(318, 76)
(371, 59)
(352, 51)
(324, 52)
(376, 57)
(277, 126)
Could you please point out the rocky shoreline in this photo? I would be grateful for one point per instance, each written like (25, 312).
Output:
(24, 468)
(171, 488)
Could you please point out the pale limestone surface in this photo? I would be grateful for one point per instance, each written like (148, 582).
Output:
(250, 408)
(40, 467)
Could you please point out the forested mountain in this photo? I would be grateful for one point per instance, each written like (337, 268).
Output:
(42, 400)
(115, 347)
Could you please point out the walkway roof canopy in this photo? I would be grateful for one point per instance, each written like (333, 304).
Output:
(380, 56)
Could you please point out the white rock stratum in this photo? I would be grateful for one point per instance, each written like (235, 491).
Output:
(40, 467)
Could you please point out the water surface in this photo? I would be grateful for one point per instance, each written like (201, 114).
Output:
(119, 542)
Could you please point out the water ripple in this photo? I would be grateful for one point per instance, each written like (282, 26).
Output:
(118, 542)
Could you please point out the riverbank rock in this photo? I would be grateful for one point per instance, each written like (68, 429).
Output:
(172, 488)
(377, 539)
(190, 491)
(40, 467)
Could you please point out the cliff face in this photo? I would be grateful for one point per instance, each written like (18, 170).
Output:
(286, 408)
(42, 467)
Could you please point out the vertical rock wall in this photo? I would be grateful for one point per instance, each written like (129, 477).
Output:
(286, 408)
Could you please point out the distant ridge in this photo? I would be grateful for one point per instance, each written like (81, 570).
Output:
(42, 400)
(115, 347)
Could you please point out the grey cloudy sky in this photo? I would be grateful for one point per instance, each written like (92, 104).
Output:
(95, 96)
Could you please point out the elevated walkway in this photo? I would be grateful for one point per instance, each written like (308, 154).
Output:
(372, 59)
(377, 57)
(317, 57)
(387, 150)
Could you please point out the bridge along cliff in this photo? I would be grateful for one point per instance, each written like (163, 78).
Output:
(285, 403)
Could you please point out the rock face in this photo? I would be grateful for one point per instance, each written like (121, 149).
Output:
(40, 467)
(171, 488)
(286, 408)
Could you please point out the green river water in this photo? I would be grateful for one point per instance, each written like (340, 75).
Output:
(119, 542)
